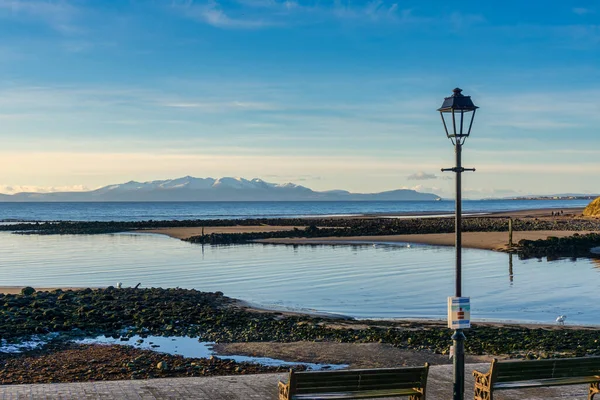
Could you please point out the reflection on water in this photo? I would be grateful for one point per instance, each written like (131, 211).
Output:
(360, 280)
(511, 275)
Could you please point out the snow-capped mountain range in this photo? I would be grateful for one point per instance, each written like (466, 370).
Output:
(209, 189)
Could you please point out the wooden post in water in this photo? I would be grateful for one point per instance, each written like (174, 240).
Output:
(510, 232)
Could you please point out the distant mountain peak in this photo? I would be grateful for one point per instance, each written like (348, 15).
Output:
(189, 188)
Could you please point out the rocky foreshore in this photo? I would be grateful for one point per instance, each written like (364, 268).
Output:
(213, 317)
(555, 247)
(67, 362)
(315, 227)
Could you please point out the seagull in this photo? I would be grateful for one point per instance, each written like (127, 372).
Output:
(119, 284)
(408, 246)
(561, 319)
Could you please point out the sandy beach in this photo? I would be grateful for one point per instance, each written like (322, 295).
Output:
(186, 232)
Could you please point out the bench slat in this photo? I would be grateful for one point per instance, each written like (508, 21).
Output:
(547, 382)
(355, 385)
(560, 363)
(367, 378)
(550, 367)
(337, 388)
(547, 371)
(545, 375)
(508, 371)
(355, 395)
(396, 375)
(374, 371)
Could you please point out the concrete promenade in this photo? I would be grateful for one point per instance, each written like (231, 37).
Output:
(248, 387)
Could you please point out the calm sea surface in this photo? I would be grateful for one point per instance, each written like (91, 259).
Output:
(234, 210)
(386, 281)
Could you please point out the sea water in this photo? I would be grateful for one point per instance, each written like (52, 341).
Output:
(360, 280)
(125, 211)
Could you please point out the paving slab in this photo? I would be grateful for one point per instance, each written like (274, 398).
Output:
(250, 387)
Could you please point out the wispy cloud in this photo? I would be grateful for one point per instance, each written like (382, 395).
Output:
(222, 106)
(543, 111)
(255, 14)
(490, 193)
(421, 176)
(460, 21)
(57, 14)
(9, 189)
(214, 14)
(582, 11)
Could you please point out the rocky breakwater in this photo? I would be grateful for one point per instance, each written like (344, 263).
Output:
(389, 226)
(213, 317)
(554, 247)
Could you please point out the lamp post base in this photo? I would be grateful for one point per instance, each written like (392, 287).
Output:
(459, 364)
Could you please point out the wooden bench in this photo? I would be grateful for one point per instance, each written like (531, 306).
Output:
(356, 384)
(538, 373)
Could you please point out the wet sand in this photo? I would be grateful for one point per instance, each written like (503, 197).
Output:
(187, 232)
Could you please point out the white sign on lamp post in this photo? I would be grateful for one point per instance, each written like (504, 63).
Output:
(459, 312)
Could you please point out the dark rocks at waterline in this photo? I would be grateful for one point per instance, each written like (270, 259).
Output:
(555, 247)
(83, 363)
(339, 226)
(386, 226)
(107, 310)
(27, 291)
(212, 317)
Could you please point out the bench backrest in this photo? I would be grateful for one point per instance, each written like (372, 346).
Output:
(514, 371)
(358, 380)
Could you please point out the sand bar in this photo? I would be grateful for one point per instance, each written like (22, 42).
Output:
(187, 232)
(474, 240)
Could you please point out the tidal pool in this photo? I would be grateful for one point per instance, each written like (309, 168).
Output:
(360, 280)
(192, 348)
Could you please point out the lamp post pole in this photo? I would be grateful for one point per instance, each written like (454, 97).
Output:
(458, 107)
(458, 338)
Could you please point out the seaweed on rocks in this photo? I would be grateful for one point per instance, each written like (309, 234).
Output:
(213, 317)
(554, 247)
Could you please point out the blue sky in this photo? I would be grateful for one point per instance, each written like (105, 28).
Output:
(328, 94)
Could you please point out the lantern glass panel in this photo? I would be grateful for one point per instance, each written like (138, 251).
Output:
(458, 123)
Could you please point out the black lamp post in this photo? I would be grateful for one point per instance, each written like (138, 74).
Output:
(458, 113)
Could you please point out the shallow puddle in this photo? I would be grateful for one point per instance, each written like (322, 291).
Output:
(192, 348)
